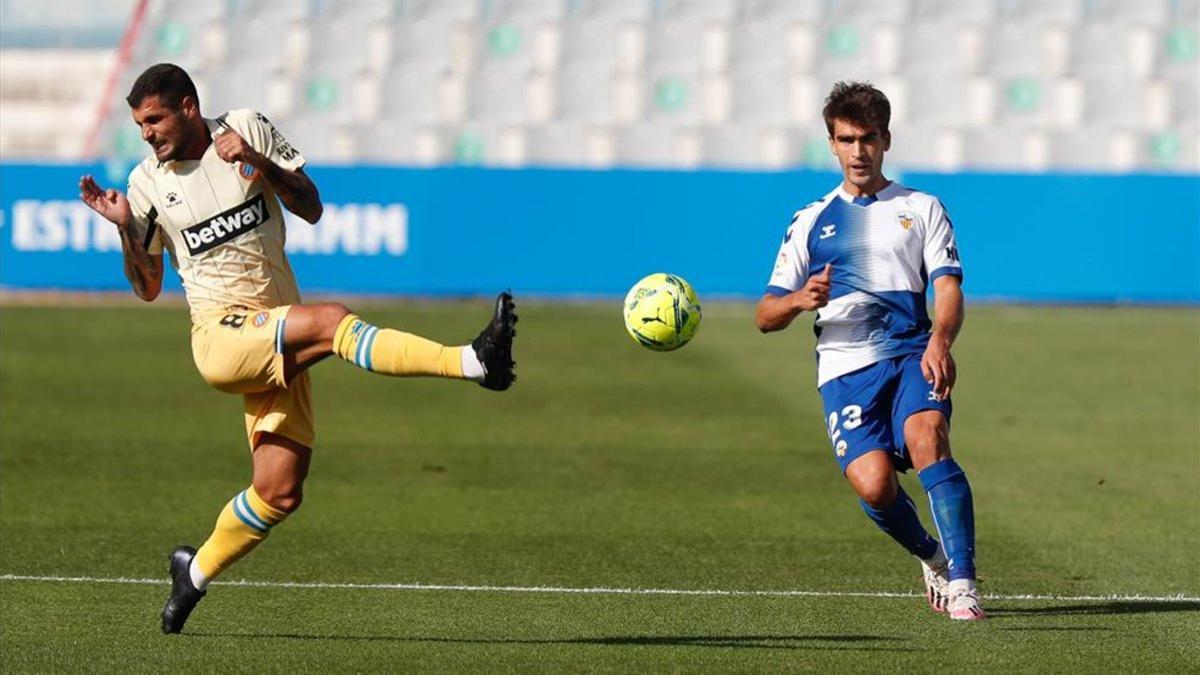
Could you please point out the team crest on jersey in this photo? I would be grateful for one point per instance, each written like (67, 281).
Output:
(260, 319)
(906, 220)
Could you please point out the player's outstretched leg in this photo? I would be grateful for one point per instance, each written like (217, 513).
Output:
(886, 503)
(488, 360)
(899, 520)
(954, 513)
(184, 595)
(493, 346)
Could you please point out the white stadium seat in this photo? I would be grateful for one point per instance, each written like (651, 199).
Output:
(960, 12)
(398, 142)
(567, 145)
(1006, 149)
(699, 10)
(497, 94)
(916, 146)
(416, 95)
(1030, 50)
(875, 12)
(1111, 50)
(527, 10)
(1043, 12)
(1139, 12)
(746, 147)
(587, 93)
(657, 146)
(619, 10)
(771, 44)
(439, 10)
(784, 11)
(1097, 149)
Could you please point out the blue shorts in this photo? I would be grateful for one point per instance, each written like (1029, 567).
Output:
(865, 410)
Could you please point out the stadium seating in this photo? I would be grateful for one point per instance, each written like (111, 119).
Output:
(1010, 84)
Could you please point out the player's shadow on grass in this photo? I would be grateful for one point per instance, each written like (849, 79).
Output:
(810, 642)
(1110, 607)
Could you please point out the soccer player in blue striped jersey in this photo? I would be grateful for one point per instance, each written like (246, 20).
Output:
(862, 257)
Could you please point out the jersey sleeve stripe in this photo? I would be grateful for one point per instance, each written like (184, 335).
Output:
(279, 335)
(152, 218)
(778, 291)
(944, 271)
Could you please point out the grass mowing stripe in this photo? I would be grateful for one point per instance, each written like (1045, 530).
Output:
(470, 588)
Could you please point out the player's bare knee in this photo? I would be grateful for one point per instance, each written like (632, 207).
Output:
(928, 439)
(283, 496)
(873, 480)
(879, 492)
(332, 314)
(290, 502)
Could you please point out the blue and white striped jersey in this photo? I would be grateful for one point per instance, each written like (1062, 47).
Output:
(885, 249)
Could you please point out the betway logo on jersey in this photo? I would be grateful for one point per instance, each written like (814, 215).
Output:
(226, 225)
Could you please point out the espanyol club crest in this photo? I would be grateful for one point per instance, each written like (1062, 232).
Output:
(260, 319)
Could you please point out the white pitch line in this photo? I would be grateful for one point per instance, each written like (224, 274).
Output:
(590, 590)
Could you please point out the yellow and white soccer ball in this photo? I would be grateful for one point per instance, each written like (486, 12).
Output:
(662, 312)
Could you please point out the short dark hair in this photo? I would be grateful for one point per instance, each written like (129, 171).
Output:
(860, 103)
(167, 81)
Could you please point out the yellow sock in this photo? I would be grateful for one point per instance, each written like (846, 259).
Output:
(245, 521)
(391, 352)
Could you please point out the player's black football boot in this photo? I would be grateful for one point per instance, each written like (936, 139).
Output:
(493, 347)
(184, 595)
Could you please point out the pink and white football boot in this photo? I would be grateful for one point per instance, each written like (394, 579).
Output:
(937, 583)
(964, 601)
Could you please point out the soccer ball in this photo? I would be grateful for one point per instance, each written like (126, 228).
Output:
(662, 312)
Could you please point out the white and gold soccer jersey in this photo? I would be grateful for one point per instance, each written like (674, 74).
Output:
(225, 232)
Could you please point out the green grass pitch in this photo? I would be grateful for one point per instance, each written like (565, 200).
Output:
(607, 466)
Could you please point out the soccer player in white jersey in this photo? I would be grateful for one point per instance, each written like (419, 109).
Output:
(862, 257)
(210, 195)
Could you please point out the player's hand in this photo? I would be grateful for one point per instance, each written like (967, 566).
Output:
(232, 148)
(111, 204)
(938, 366)
(815, 293)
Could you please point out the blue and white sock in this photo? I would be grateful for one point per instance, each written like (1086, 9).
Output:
(900, 522)
(953, 513)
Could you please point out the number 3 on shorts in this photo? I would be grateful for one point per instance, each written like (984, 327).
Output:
(851, 419)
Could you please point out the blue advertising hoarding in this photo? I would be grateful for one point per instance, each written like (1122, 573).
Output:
(465, 231)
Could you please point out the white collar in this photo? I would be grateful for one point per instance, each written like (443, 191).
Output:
(883, 193)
